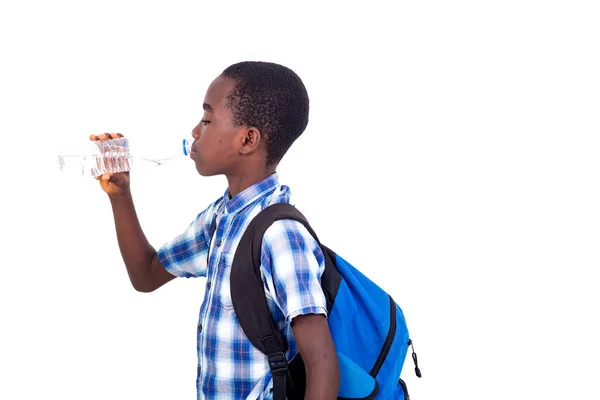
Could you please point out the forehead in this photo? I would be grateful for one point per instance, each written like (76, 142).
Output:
(218, 91)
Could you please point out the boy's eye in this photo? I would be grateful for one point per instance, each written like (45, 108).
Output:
(205, 122)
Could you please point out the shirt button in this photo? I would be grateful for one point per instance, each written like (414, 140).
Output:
(208, 285)
(199, 328)
(199, 370)
(218, 243)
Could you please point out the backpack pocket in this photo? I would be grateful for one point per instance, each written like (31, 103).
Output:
(355, 382)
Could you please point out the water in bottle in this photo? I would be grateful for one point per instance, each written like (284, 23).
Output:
(112, 156)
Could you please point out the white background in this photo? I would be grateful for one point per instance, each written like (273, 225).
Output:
(452, 155)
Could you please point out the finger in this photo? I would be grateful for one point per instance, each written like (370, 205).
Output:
(115, 135)
(107, 177)
(104, 136)
(93, 137)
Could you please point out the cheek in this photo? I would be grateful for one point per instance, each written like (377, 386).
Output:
(204, 139)
(209, 143)
(216, 144)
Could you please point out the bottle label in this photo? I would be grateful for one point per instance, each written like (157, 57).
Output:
(112, 156)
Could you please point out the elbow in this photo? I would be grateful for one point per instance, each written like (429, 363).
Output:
(142, 285)
(142, 277)
(143, 289)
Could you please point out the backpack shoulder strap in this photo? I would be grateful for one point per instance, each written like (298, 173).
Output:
(250, 304)
(248, 295)
(247, 292)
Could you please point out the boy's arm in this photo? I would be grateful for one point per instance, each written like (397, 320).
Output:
(146, 272)
(316, 347)
(292, 264)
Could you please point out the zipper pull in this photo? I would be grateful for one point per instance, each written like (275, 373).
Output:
(414, 357)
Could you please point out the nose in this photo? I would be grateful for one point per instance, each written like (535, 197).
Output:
(196, 132)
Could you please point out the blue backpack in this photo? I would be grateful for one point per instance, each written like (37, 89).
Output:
(367, 326)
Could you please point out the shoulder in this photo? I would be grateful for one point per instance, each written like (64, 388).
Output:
(287, 230)
(289, 240)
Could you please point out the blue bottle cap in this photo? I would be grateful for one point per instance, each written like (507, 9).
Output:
(186, 147)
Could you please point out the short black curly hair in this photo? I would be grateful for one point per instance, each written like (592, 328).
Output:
(272, 98)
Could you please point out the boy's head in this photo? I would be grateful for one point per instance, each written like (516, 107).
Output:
(252, 111)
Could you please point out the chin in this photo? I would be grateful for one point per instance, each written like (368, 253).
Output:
(205, 172)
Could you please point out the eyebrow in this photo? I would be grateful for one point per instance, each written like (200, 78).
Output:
(207, 107)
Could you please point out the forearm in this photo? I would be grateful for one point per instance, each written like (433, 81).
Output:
(318, 353)
(135, 249)
(322, 378)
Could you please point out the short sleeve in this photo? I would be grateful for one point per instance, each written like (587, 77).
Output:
(186, 255)
(292, 263)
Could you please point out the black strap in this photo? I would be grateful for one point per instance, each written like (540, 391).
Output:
(277, 365)
(248, 296)
(247, 292)
(249, 301)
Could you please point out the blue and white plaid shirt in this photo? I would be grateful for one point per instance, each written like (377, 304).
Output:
(229, 366)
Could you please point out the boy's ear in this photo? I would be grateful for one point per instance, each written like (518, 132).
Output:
(250, 140)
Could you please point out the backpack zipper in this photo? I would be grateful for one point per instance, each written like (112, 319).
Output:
(387, 345)
(414, 357)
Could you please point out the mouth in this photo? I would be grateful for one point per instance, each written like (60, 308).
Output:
(193, 154)
(189, 147)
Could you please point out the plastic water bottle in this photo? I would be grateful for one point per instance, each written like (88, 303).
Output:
(112, 156)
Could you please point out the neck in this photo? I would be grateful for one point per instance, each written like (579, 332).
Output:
(247, 177)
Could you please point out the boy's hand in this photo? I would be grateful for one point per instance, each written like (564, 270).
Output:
(113, 184)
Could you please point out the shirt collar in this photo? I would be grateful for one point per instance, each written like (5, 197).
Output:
(250, 194)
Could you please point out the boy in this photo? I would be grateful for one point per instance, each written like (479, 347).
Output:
(253, 112)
